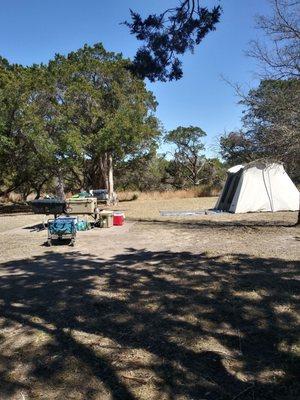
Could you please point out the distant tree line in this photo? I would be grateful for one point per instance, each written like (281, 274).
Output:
(82, 120)
(183, 167)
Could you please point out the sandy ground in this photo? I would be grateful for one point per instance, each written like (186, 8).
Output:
(161, 308)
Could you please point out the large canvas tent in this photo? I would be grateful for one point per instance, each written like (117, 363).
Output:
(258, 186)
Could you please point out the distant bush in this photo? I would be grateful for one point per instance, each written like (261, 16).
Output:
(208, 191)
(127, 195)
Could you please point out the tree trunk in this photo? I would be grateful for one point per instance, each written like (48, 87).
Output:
(26, 193)
(38, 193)
(38, 188)
(60, 186)
(104, 172)
(110, 176)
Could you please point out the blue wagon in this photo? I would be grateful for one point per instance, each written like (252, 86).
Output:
(62, 228)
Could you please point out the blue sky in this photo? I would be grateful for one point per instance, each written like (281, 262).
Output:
(32, 31)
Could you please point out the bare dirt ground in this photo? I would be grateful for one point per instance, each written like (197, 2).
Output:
(163, 308)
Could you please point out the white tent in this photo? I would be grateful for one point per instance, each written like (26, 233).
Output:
(258, 186)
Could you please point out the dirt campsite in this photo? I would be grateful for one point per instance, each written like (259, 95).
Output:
(165, 307)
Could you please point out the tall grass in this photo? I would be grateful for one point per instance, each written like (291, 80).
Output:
(200, 191)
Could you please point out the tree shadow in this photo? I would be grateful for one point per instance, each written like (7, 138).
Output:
(206, 223)
(149, 325)
(14, 208)
(36, 227)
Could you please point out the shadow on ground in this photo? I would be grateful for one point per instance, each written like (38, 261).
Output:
(148, 325)
(209, 223)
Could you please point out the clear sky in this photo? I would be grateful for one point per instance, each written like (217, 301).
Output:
(32, 31)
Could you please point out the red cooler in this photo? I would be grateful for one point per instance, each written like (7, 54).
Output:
(119, 218)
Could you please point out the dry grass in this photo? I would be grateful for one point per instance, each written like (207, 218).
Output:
(16, 198)
(201, 191)
(148, 209)
(12, 198)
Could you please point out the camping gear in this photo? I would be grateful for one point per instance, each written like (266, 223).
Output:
(75, 206)
(83, 225)
(105, 219)
(48, 206)
(103, 197)
(62, 228)
(101, 194)
(119, 218)
(258, 186)
(81, 195)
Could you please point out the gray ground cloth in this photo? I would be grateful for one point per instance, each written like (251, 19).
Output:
(187, 213)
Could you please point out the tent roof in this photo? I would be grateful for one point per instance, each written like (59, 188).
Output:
(235, 169)
(262, 163)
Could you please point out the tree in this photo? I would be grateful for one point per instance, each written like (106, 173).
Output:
(188, 157)
(71, 120)
(143, 172)
(111, 108)
(273, 121)
(236, 148)
(169, 35)
(214, 173)
(281, 59)
(271, 126)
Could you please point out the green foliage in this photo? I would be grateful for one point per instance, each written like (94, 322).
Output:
(236, 148)
(271, 126)
(143, 172)
(188, 160)
(63, 119)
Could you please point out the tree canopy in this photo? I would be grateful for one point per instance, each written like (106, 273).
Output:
(169, 35)
(189, 158)
(72, 116)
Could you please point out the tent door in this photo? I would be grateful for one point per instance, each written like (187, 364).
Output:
(229, 190)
